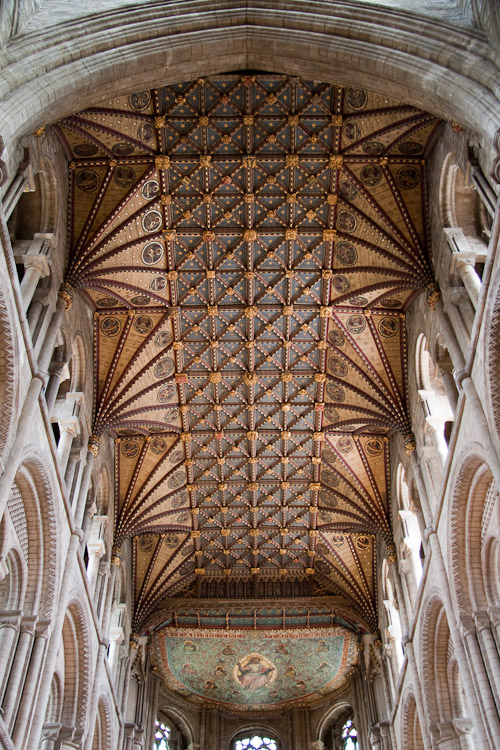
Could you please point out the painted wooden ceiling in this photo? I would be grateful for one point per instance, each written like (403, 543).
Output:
(249, 245)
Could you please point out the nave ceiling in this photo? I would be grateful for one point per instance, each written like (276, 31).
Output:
(249, 245)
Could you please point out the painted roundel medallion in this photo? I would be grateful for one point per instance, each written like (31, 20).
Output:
(407, 178)
(111, 326)
(145, 132)
(371, 174)
(166, 393)
(374, 446)
(346, 222)
(388, 327)
(348, 191)
(356, 98)
(152, 253)
(85, 149)
(164, 367)
(158, 283)
(140, 101)
(163, 339)
(87, 181)
(346, 253)
(122, 149)
(152, 221)
(124, 176)
(335, 392)
(356, 324)
(130, 448)
(150, 190)
(337, 367)
(373, 148)
(336, 338)
(341, 284)
(351, 130)
(158, 445)
(143, 324)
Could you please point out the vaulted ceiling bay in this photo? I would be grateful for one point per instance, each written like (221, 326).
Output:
(249, 245)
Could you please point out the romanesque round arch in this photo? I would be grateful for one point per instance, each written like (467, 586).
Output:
(131, 49)
(468, 500)
(77, 689)
(331, 713)
(35, 490)
(411, 732)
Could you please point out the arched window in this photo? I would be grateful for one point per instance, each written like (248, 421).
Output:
(256, 743)
(162, 736)
(349, 736)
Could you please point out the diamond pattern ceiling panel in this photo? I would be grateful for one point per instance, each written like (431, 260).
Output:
(249, 246)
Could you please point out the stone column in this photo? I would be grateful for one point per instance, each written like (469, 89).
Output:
(23, 718)
(450, 387)
(64, 302)
(92, 453)
(103, 647)
(375, 738)
(96, 550)
(9, 628)
(450, 337)
(489, 650)
(460, 299)
(463, 260)
(67, 582)
(33, 255)
(14, 684)
(69, 429)
(410, 653)
(480, 677)
(116, 636)
(50, 736)
(58, 371)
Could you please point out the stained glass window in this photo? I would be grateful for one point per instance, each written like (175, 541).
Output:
(349, 736)
(256, 743)
(162, 736)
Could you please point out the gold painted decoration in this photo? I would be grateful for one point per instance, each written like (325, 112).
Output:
(249, 246)
(151, 480)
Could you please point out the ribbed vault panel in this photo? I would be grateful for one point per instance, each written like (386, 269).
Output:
(249, 246)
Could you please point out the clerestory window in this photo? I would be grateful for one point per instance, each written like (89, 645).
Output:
(256, 743)
(349, 736)
(162, 736)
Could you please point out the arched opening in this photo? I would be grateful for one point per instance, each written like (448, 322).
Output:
(411, 538)
(255, 742)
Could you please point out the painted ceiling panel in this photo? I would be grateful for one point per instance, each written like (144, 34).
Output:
(249, 245)
(248, 671)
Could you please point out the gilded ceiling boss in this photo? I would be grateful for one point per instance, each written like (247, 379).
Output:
(250, 431)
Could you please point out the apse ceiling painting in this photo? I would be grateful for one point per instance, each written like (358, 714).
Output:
(249, 245)
(256, 671)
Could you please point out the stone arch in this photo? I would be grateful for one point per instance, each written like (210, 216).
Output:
(32, 493)
(103, 493)
(76, 644)
(492, 352)
(459, 201)
(13, 582)
(468, 499)
(8, 377)
(181, 722)
(77, 364)
(350, 44)
(102, 734)
(256, 728)
(446, 705)
(331, 715)
(49, 207)
(411, 735)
